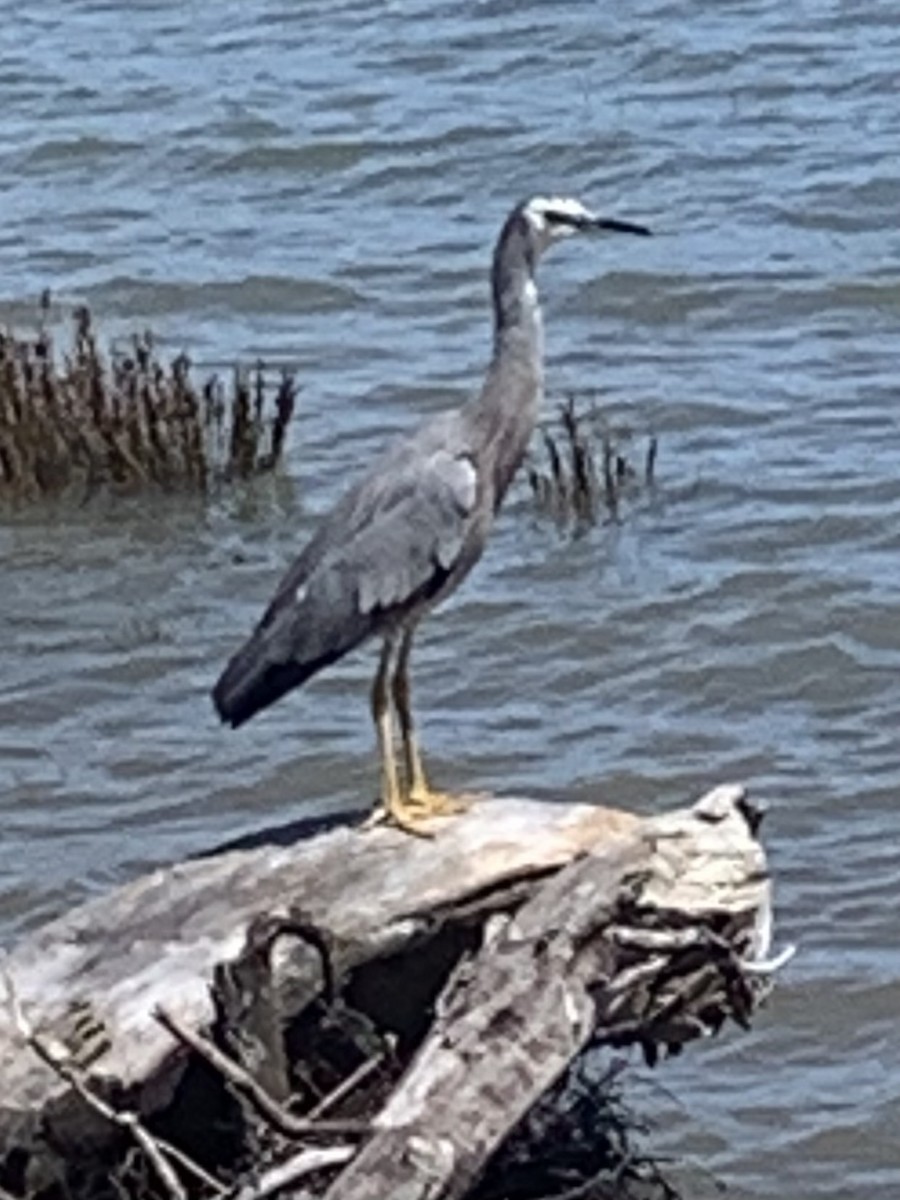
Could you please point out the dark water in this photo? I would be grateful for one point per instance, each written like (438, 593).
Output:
(322, 184)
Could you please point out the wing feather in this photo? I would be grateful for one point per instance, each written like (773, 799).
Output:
(391, 544)
(413, 532)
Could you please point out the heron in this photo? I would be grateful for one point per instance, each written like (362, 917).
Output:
(411, 529)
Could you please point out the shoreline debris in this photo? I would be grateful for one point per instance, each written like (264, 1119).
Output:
(352, 1016)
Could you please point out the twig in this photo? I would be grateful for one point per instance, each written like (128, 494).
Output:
(284, 1121)
(665, 939)
(294, 1169)
(610, 489)
(650, 465)
(191, 1167)
(768, 966)
(56, 1060)
(350, 1084)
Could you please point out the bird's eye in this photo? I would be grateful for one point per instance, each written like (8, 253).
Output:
(557, 217)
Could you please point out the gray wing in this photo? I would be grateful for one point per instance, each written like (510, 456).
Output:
(391, 545)
(409, 529)
(416, 533)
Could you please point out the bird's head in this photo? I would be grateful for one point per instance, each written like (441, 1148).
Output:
(549, 219)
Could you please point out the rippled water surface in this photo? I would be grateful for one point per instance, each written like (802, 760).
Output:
(321, 184)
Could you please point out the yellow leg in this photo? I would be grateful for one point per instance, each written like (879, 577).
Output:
(421, 797)
(395, 807)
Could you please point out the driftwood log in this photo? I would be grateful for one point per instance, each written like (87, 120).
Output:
(460, 975)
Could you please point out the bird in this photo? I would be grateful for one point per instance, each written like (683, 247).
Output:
(413, 526)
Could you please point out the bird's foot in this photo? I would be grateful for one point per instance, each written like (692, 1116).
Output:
(430, 803)
(416, 812)
(402, 816)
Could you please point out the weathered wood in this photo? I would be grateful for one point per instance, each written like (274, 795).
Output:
(539, 989)
(608, 942)
(93, 978)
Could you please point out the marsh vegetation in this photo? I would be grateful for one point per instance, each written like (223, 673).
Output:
(77, 419)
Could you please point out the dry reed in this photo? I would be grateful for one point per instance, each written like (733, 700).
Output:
(83, 421)
(586, 469)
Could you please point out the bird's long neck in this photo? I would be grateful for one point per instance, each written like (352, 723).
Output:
(517, 311)
(506, 410)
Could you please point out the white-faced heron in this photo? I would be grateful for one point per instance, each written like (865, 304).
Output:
(408, 533)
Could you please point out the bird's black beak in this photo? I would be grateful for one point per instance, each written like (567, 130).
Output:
(612, 225)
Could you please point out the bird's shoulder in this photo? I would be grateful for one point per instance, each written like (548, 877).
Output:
(422, 487)
(436, 459)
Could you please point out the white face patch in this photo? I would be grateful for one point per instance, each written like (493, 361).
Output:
(300, 594)
(550, 231)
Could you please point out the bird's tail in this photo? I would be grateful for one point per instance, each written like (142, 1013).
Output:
(251, 682)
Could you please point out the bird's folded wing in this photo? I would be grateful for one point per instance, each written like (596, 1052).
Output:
(390, 546)
(416, 531)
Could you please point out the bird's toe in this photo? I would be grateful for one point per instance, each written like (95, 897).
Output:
(409, 818)
(439, 804)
